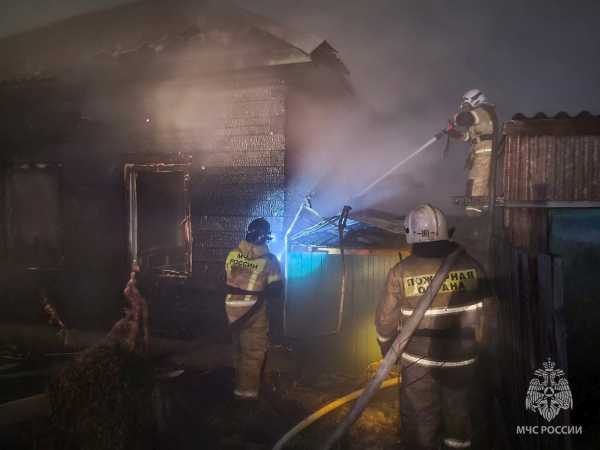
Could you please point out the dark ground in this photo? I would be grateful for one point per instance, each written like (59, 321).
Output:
(205, 415)
(197, 411)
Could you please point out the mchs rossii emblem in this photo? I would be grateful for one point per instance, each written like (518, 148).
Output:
(549, 392)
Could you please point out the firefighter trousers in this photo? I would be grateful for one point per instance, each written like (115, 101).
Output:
(249, 349)
(435, 407)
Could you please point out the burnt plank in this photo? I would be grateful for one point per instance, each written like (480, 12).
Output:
(205, 193)
(243, 143)
(528, 305)
(560, 328)
(262, 204)
(546, 305)
(209, 176)
(233, 223)
(271, 123)
(218, 254)
(198, 142)
(217, 239)
(268, 108)
(560, 332)
(248, 159)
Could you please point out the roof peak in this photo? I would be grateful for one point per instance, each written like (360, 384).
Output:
(307, 42)
(71, 41)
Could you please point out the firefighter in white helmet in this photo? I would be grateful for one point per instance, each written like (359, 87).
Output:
(477, 124)
(253, 278)
(438, 362)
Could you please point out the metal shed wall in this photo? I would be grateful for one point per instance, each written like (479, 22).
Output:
(313, 302)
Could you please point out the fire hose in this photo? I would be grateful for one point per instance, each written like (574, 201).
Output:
(329, 407)
(366, 394)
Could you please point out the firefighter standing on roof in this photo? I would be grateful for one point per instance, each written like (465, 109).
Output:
(438, 363)
(253, 277)
(477, 124)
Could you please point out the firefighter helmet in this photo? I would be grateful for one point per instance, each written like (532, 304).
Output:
(425, 223)
(472, 99)
(259, 231)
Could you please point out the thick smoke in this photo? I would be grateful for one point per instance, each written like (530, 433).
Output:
(343, 149)
(21, 15)
(410, 63)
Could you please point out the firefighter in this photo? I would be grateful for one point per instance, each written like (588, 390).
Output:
(253, 277)
(477, 124)
(438, 363)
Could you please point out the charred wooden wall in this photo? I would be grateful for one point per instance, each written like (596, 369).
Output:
(238, 172)
(234, 130)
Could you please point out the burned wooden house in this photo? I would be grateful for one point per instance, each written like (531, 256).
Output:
(151, 132)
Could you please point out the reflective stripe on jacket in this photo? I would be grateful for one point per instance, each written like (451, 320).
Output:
(422, 361)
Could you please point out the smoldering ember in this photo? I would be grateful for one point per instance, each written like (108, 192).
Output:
(222, 231)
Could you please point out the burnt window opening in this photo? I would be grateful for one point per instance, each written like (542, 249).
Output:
(33, 213)
(160, 238)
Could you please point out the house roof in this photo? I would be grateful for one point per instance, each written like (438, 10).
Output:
(149, 28)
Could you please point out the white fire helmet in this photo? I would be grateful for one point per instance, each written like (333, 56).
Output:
(472, 99)
(425, 223)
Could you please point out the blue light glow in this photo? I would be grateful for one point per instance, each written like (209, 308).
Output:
(303, 265)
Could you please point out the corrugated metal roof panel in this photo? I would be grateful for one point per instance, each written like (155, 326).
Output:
(561, 115)
(367, 229)
(562, 124)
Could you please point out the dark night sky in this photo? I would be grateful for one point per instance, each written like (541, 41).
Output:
(412, 60)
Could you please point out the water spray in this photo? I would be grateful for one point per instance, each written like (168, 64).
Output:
(426, 145)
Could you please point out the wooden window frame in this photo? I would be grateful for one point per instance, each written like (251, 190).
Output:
(131, 172)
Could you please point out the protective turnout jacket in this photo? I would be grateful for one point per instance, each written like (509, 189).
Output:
(481, 124)
(250, 269)
(449, 333)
